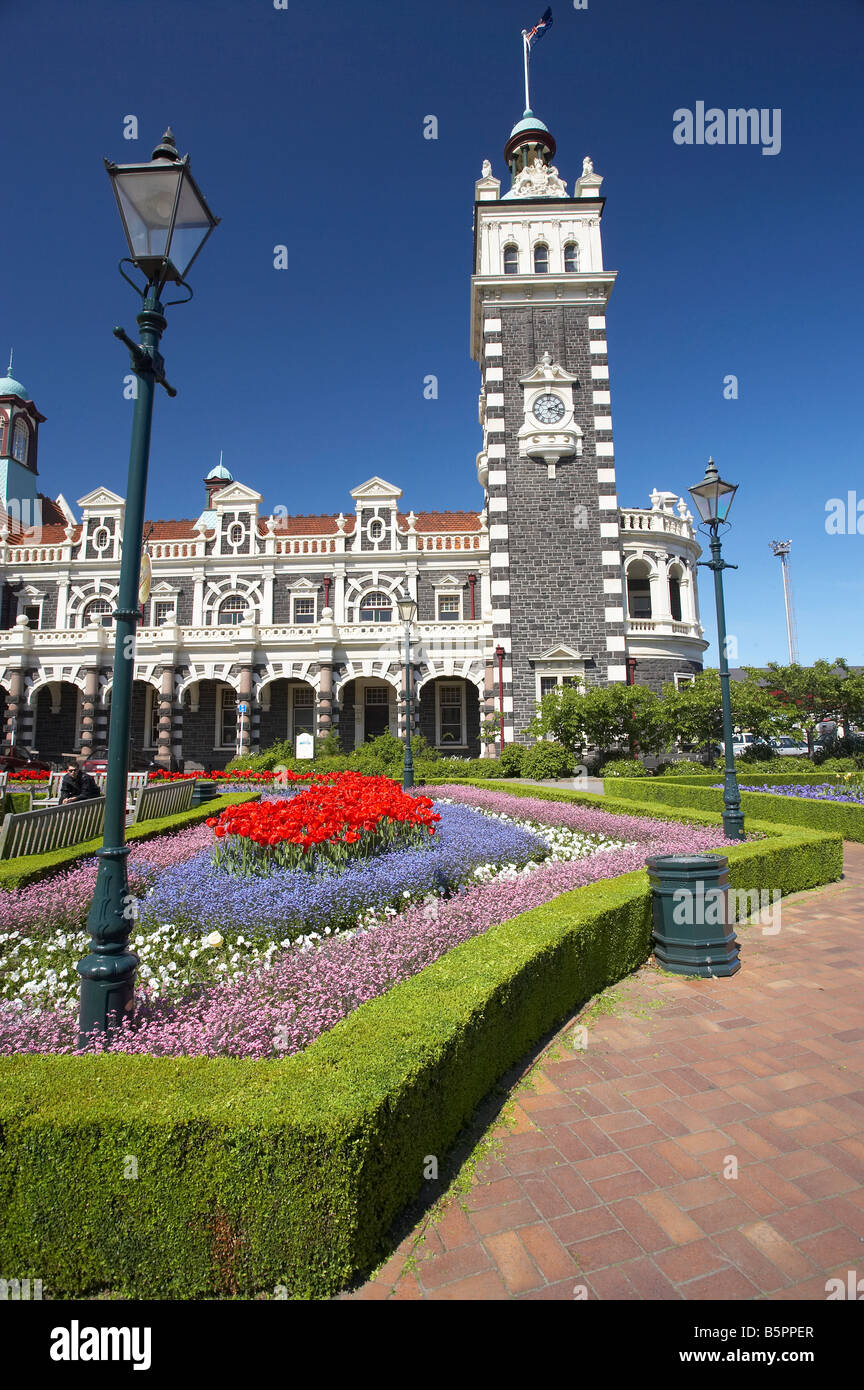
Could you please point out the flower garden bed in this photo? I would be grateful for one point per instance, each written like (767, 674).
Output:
(775, 803)
(255, 1171)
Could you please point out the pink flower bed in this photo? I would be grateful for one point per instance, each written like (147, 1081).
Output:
(303, 994)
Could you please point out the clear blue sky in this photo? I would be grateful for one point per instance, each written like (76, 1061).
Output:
(305, 127)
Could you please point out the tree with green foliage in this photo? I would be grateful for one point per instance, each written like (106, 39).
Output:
(600, 716)
(694, 712)
(812, 694)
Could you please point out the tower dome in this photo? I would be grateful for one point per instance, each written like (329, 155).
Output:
(10, 387)
(530, 141)
(220, 472)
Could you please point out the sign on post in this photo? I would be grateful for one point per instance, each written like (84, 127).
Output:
(304, 746)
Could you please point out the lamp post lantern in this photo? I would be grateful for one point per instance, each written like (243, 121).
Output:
(713, 500)
(166, 222)
(408, 613)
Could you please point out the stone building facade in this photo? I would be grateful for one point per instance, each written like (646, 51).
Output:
(258, 628)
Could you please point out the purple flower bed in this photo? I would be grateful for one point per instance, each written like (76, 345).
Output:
(63, 900)
(290, 902)
(823, 791)
(304, 993)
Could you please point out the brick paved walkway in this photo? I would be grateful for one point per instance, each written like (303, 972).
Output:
(611, 1173)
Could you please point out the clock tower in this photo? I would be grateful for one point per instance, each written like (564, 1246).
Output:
(538, 333)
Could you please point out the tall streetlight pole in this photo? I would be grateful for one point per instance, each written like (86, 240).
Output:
(713, 500)
(408, 613)
(781, 549)
(166, 222)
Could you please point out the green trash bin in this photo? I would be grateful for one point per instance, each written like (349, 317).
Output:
(689, 908)
(203, 791)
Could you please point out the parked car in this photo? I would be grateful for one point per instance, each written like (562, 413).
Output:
(789, 747)
(138, 761)
(741, 742)
(22, 760)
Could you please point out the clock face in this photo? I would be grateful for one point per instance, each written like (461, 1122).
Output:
(548, 409)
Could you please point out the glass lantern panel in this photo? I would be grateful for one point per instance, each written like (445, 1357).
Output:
(147, 200)
(190, 229)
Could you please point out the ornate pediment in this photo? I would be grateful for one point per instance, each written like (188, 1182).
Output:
(236, 497)
(101, 499)
(376, 490)
(560, 654)
(548, 373)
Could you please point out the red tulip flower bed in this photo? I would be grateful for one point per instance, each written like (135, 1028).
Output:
(234, 775)
(348, 816)
(28, 774)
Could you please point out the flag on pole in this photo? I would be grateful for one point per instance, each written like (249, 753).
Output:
(540, 28)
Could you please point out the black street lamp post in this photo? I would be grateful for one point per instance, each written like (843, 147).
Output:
(408, 613)
(166, 222)
(713, 500)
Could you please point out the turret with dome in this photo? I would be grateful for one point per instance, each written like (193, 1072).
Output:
(19, 447)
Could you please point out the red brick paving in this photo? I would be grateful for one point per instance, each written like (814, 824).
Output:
(610, 1176)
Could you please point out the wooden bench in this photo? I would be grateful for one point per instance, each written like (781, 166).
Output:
(163, 799)
(51, 827)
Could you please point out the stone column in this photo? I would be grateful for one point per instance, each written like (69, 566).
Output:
(244, 696)
(88, 710)
(13, 706)
(325, 699)
(487, 710)
(165, 731)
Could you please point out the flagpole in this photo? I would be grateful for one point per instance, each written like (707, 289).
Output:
(525, 55)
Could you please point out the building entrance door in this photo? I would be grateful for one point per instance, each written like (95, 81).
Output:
(376, 712)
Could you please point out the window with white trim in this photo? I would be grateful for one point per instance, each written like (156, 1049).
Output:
(541, 259)
(683, 678)
(20, 441)
(101, 610)
(451, 715)
(232, 611)
(304, 609)
(376, 608)
(511, 260)
(33, 613)
(375, 529)
(571, 257)
(303, 710)
(4, 425)
(164, 611)
(227, 729)
(236, 534)
(449, 607)
(101, 539)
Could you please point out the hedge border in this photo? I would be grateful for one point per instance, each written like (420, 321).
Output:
(291, 1172)
(17, 873)
(707, 779)
(843, 818)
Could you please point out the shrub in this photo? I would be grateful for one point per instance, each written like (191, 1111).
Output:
(545, 760)
(684, 768)
(511, 760)
(624, 767)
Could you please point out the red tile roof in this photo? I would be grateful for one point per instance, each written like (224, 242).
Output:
(53, 530)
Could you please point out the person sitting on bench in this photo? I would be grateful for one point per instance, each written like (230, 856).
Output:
(77, 785)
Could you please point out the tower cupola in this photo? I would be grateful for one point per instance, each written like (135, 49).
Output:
(530, 143)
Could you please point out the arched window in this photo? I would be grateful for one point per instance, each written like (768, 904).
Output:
(4, 425)
(639, 590)
(236, 534)
(375, 529)
(541, 259)
(675, 596)
(98, 610)
(232, 611)
(102, 538)
(571, 256)
(20, 441)
(376, 608)
(511, 260)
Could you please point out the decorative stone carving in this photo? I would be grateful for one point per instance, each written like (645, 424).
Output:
(538, 180)
(549, 431)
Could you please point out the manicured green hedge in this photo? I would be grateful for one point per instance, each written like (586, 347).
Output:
(842, 817)
(15, 873)
(291, 1172)
(748, 773)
